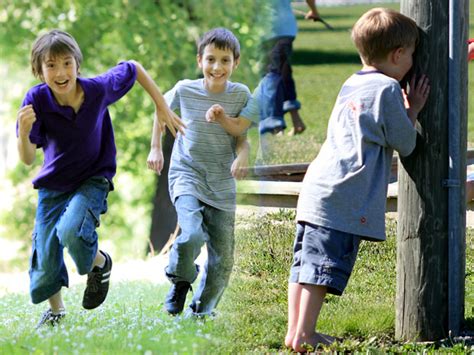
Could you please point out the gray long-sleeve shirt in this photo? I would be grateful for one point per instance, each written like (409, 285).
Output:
(345, 187)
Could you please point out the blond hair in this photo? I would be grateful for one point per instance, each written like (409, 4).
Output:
(380, 30)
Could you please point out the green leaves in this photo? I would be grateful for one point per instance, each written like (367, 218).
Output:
(161, 35)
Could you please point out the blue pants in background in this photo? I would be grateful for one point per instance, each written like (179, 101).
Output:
(277, 87)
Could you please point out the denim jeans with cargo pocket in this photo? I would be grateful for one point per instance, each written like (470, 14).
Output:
(65, 220)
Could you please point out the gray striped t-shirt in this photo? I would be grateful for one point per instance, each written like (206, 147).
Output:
(202, 157)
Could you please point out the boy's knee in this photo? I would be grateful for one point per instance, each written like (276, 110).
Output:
(188, 242)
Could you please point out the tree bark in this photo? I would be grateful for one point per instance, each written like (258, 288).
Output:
(164, 219)
(422, 309)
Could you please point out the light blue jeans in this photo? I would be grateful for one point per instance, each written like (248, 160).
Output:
(202, 224)
(65, 219)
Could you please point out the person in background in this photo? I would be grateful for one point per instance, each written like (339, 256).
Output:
(278, 90)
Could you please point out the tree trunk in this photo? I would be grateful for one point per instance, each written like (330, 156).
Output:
(422, 301)
(164, 219)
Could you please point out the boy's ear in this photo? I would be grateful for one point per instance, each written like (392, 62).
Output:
(236, 63)
(199, 61)
(396, 55)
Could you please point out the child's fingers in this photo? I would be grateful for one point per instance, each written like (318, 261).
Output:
(241, 173)
(154, 165)
(423, 86)
(210, 115)
(159, 167)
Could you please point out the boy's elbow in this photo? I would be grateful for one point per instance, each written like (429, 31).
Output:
(135, 63)
(27, 160)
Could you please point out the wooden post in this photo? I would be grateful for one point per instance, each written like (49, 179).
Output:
(163, 218)
(422, 301)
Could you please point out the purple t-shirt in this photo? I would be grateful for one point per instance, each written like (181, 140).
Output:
(78, 145)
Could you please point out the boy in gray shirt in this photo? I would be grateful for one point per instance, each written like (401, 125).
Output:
(202, 170)
(344, 191)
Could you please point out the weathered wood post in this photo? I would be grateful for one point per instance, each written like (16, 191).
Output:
(431, 245)
(163, 218)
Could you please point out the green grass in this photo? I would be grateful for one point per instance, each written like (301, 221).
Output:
(130, 322)
(252, 314)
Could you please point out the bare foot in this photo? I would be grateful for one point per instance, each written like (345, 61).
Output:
(297, 130)
(289, 339)
(309, 344)
(298, 124)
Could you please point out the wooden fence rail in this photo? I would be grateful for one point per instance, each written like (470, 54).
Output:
(279, 185)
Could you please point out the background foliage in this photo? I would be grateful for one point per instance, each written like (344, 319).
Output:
(161, 35)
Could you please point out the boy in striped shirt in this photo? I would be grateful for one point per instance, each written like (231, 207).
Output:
(202, 170)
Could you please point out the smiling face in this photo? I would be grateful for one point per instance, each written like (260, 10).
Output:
(217, 66)
(60, 74)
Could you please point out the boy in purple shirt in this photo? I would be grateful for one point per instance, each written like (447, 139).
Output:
(67, 117)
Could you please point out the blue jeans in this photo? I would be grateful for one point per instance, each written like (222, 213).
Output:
(277, 87)
(65, 220)
(202, 224)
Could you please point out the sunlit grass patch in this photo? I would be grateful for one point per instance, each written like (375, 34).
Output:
(131, 321)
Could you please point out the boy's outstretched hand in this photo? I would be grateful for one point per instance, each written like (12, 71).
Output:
(215, 113)
(417, 95)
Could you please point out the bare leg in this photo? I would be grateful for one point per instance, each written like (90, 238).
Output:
(56, 302)
(311, 301)
(298, 124)
(469, 190)
(294, 295)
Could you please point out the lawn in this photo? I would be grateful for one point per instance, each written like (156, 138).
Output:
(252, 314)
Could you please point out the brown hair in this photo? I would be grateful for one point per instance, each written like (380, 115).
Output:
(221, 38)
(379, 31)
(54, 43)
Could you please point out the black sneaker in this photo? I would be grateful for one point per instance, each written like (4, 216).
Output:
(97, 284)
(50, 318)
(174, 302)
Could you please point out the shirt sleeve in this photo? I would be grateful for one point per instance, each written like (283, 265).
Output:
(172, 97)
(37, 135)
(118, 80)
(251, 111)
(400, 133)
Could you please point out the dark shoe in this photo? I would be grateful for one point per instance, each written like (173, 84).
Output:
(50, 318)
(98, 281)
(174, 302)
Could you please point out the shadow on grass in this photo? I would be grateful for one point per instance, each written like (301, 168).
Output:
(312, 57)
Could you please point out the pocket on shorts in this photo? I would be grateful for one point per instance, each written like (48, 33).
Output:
(89, 224)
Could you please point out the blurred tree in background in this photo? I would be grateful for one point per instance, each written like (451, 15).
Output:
(160, 34)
